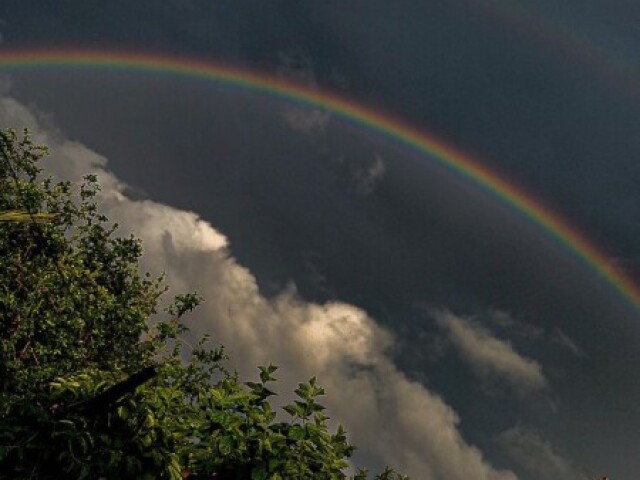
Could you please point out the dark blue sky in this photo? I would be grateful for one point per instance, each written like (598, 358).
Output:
(544, 92)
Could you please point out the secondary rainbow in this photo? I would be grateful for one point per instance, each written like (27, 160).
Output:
(378, 122)
(616, 67)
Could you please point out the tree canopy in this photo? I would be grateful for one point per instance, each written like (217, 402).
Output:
(96, 383)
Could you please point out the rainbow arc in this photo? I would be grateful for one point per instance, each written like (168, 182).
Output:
(439, 151)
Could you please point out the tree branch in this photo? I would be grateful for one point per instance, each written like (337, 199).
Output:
(111, 395)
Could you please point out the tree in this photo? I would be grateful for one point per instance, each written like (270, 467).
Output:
(94, 383)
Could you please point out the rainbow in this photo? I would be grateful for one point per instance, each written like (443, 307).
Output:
(615, 67)
(378, 122)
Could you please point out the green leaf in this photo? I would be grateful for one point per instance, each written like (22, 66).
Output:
(258, 473)
(296, 432)
(294, 410)
(225, 447)
(274, 463)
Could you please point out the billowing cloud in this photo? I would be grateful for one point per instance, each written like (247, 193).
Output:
(392, 419)
(488, 356)
(536, 455)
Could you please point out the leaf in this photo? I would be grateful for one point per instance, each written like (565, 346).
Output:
(296, 433)
(293, 410)
(174, 469)
(273, 464)
(123, 412)
(225, 447)
(258, 473)
(149, 421)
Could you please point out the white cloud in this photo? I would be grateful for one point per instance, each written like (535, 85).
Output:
(536, 455)
(392, 419)
(490, 356)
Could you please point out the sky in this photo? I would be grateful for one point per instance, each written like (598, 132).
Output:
(456, 337)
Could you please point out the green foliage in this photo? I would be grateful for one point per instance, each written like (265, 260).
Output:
(89, 389)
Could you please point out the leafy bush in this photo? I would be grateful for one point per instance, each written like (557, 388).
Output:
(91, 389)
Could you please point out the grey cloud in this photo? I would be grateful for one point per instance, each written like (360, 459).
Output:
(392, 419)
(295, 65)
(305, 120)
(536, 455)
(489, 356)
(5, 84)
(516, 327)
(367, 178)
(562, 339)
(531, 332)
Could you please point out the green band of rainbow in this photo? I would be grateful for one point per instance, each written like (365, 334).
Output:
(380, 123)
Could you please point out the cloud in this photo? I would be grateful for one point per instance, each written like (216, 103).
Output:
(530, 332)
(562, 339)
(489, 356)
(519, 328)
(5, 85)
(367, 178)
(392, 419)
(305, 120)
(295, 65)
(536, 455)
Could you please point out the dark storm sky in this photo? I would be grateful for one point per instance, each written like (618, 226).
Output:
(544, 92)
